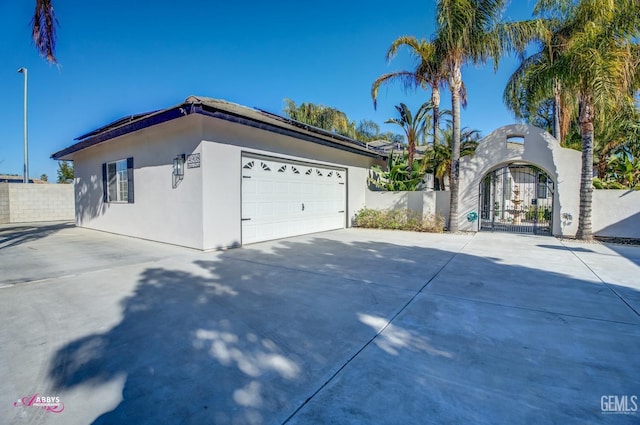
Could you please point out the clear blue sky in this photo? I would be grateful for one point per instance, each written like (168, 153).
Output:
(124, 57)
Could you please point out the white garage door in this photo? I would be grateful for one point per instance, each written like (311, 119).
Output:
(282, 198)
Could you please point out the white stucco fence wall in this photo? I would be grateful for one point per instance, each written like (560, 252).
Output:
(25, 203)
(425, 203)
(616, 213)
(540, 149)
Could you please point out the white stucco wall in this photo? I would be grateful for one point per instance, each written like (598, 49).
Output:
(204, 211)
(159, 212)
(539, 149)
(223, 145)
(425, 203)
(616, 213)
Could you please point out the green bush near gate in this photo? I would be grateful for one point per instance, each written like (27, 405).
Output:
(404, 219)
(543, 214)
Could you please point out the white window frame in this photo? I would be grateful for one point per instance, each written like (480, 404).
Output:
(121, 182)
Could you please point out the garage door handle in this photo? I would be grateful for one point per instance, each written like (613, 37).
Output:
(246, 219)
(302, 207)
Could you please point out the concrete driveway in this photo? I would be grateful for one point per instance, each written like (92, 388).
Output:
(347, 327)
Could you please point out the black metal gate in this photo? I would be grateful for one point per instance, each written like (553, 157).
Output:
(518, 199)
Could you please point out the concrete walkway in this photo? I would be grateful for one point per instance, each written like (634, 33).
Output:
(347, 327)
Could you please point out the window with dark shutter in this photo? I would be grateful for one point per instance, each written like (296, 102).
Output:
(130, 180)
(117, 181)
(105, 185)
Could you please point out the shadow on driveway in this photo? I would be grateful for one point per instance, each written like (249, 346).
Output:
(254, 337)
(11, 236)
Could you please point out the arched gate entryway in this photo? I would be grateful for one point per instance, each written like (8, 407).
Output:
(517, 198)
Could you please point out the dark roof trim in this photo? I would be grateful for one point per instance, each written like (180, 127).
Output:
(115, 124)
(338, 144)
(228, 112)
(95, 138)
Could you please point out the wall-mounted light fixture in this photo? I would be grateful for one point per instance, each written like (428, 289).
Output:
(178, 165)
(178, 169)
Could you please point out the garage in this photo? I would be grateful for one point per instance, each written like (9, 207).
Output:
(211, 174)
(282, 198)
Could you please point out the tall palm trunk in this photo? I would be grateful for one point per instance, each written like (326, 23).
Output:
(412, 153)
(557, 132)
(455, 84)
(435, 100)
(587, 113)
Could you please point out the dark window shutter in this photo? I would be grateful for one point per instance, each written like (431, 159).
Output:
(130, 180)
(105, 184)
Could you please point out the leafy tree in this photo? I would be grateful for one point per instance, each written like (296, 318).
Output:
(65, 172)
(367, 131)
(391, 137)
(398, 176)
(413, 126)
(624, 169)
(44, 178)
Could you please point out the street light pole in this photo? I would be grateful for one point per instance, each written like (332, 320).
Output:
(26, 137)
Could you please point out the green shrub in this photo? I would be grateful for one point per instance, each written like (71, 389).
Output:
(597, 183)
(538, 214)
(399, 220)
(610, 184)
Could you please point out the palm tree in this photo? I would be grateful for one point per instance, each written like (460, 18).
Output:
(599, 65)
(413, 126)
(469, 31)
(429, 72)
(43, 30)
(525, 93)
(321, 116)
(439, 157)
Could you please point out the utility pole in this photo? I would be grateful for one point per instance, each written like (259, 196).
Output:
(26, 136)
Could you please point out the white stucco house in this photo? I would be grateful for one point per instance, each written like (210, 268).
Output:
(209, 174)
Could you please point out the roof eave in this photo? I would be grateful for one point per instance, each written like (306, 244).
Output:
(261, 120)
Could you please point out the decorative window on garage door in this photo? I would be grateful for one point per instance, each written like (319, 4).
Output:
(282, 198)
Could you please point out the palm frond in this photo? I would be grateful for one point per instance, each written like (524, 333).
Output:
(43, 29)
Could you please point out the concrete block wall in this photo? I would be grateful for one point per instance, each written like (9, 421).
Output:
(23, 203)
(4, 203)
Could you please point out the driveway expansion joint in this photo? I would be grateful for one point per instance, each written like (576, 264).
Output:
(602, 280)
(537, 310)
(378, 333)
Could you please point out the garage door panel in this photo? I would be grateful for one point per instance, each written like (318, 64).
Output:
(282, 199)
